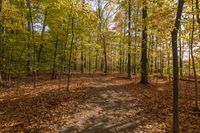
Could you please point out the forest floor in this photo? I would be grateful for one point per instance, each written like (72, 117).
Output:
(96, 103)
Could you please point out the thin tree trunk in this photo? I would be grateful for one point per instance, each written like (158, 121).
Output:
(70, 55)
(156, 59)
(120, 58)
(152, 59)
(89, 63)
(161, 61)
(198, 18)
(96, 60)
(1, 42)
(64, 49)
(168, 63)
(29, 61)
(135, 45)
(180, 55)
(129, 40)
(82, 58)
(175, 68)
(10, 67)
(144, 61)
(33, 39)
(189, 64)
(42, 40)
(193, 60)
(53, 74)
(105, 55)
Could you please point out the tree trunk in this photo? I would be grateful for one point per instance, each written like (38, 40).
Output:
(120, 58)
(129, 40)
(161, 61)
(53, 74)
(189, 53)
(63, 50)
(198, 18)
(180, 55)
(144, 61)
(175, 68)
(89, 63)
(29, 60)
(1, 42)
(96, 60)
(156, 59)
(105, 55)
(42, 40)
(135, 45)
(82, 58)
(32, 40)
(193, 60)
(70, 55)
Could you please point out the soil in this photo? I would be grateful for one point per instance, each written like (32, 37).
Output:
(97, 104)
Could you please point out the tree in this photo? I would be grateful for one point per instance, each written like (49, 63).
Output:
(144, 61)
(70, 55)
(129, 39)
(193, 60)
(175, 67)
(1, 42)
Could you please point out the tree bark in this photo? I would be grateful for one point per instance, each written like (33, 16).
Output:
(1, 42)
(193, 60)
(105, 55)
(180, 55)
(82, 58)
(175, 68)
(144, 61)
(70, 55)
(135, 45)
(198, 18)
(53, 74)
(33, 43)
(129, 40)
(42, 40)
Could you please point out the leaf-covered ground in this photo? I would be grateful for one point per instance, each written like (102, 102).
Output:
(96, 103)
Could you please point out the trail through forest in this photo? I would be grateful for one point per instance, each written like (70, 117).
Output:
(96, 104)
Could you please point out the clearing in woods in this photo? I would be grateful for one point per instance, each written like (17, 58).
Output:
(96, 104)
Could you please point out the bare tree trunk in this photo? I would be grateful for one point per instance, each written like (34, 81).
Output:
(1, 42)
(53, 74)
(168, 63)
(105, 55)
(64, 49)
(10, 67)
(82, 58)
(180, 55)
(161, 61)
(193, 61)
(70, 55)
(96, 60)
(152, 59)
(189, 53)
(135, 45)
(120, 58)
(42, 40)
(175, 67)
(156, 59)
(32, 40)
(144, 61)
(129, 40)
(198, 18)
(29, 60)
(89, 63)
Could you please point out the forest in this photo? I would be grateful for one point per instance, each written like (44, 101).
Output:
(99, 66)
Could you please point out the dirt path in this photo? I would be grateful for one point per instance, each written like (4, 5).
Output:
(96, 104)
(110, 108)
